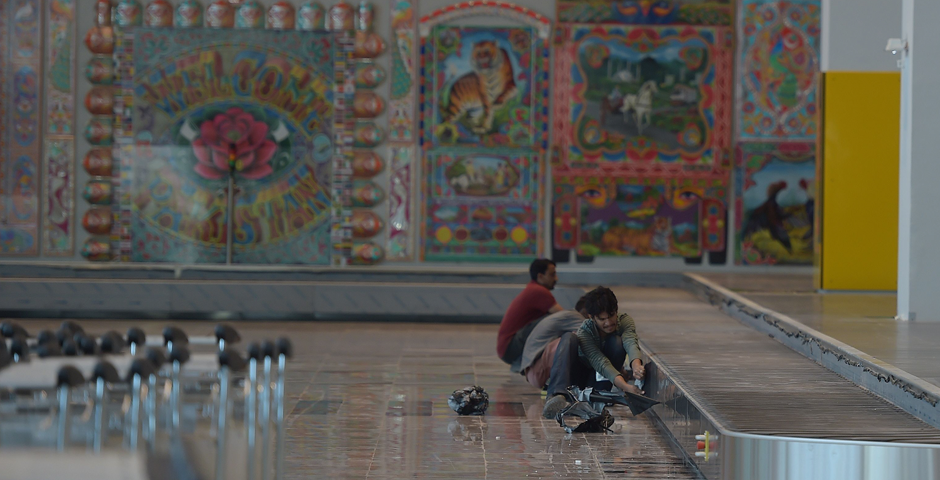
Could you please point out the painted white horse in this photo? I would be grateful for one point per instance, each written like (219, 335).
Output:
(641, 104)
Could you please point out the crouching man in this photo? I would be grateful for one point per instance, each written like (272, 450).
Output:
(602, 353)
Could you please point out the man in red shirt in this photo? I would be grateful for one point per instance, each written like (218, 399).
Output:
(526, 310)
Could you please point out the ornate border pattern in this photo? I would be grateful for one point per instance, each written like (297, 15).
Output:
(511, 11)
(20, 185)
(59, 159)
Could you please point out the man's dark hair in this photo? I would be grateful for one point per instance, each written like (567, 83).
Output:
(580, 305)
(600, 300)
(539, 265)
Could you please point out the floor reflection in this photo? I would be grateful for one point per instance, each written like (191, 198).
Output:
(368, 400)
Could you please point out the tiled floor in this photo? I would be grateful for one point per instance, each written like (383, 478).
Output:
(369, 400)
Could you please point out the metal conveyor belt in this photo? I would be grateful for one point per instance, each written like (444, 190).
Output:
(752, 384)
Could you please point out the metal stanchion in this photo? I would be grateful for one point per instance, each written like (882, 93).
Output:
(284, 352)
(68, 377)
(228, 362)
(179, 356)
(270, 350)
(141, 368)
(135, 412)
(104, 373)
(223, 413)
(254, 353)
(99, 414)
(157, 359)
(62, 430)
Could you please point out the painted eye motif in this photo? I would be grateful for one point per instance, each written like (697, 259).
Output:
(628, 8)
(592, 194)
(662, 9)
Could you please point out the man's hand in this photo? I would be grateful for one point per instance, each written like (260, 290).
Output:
(622, 384)
(634, 389)
(638, 371)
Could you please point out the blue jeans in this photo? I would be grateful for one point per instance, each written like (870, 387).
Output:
(568, 368)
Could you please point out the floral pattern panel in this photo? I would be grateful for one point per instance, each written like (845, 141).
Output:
(778, 66)
(215, 105)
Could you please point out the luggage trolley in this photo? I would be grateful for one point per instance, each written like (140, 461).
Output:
(142, 390)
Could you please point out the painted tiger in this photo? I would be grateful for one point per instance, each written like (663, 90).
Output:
(479, 93)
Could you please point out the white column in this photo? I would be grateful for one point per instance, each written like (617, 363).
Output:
(853, 34)
(919, 203)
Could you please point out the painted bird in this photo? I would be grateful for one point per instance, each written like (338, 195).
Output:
(769, 216)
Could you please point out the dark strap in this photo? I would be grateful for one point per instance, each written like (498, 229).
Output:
(5, 357)
(12, 330)
(156, 357)
(231, 359)
(70, 348)
(284, 346)
(46, 336)
(180, 355)
(227, 333)
(175, 335)
(106, 371)
(268, 348)
(87, 344)
(254, 351)
(71, 326)
(136, 336)
(141, 367)
(18, 346)
(69, 376)
(112, 342)
(49, 349)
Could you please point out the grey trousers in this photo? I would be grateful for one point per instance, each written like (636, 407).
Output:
(548, 329)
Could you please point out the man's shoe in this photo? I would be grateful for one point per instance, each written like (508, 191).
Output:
(554, 405)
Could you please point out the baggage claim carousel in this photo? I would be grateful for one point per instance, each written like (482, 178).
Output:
(769, 412)
(740, 399)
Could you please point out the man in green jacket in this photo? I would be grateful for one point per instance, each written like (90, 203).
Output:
(603, 352)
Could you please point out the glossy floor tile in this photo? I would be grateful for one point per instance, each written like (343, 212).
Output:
(369, 400)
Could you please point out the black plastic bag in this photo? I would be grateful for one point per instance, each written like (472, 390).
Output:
(594, 421)
(469, 401)
(591, 407)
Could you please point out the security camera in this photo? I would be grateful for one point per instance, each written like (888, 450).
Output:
(896, 44)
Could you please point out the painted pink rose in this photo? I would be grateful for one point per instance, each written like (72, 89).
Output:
(237, 134)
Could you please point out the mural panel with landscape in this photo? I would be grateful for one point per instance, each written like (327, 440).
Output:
(645, 94)
(484, 106)
(642, 133)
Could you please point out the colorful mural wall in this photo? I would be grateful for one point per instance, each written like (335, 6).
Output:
(230, 119)
(21, 138)
(642, 136)
(776, 198)
(283, 101)
(777, 128)
(402, 138)
(370, 133)
(484, 122)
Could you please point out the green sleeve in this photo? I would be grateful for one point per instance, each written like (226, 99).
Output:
(628, 335)
(595, 357)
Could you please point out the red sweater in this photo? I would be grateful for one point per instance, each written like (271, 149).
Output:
(532, 304)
